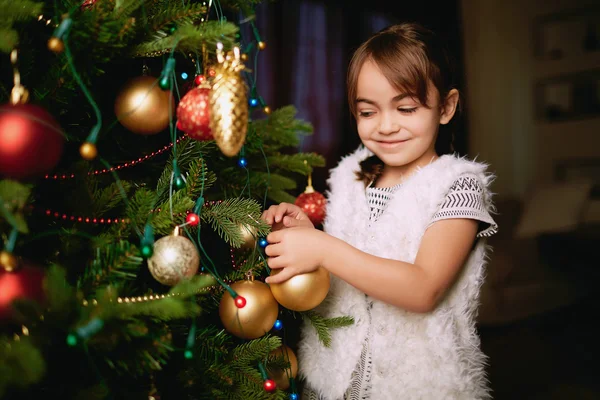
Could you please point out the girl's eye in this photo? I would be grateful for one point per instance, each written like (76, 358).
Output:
(365, 114)
(407, 110)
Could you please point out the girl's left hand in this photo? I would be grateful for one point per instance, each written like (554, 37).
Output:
(296, 250)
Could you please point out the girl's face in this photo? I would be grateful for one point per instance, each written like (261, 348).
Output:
(395, 126)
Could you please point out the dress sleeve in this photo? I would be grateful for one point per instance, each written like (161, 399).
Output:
(465, 200)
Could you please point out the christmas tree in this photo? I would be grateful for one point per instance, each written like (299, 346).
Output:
(136, 158)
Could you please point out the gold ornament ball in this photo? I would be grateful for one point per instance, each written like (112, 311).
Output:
(282, 376)
(143, 107)
(88, 151)
(174, 258)
(302, 292)
(254, 319)
(8, 261)
(56, 45)
(267, 110)
(244, 57)
(262, 45)
(248, 236)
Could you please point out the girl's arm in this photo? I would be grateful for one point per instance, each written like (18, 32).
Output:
(414, 287)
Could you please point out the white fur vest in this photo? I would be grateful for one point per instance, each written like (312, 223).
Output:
(430, 356)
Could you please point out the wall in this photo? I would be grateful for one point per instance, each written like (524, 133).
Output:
(500, 73)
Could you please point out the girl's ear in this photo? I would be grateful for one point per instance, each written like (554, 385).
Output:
(449, 106)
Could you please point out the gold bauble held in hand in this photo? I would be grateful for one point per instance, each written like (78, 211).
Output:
(282, 376)
(255, 318)
(174, 259)
(143, 107)
(228, 103)
(302, 292)
(248, 236)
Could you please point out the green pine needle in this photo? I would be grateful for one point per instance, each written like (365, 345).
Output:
(324, 325)
(21, 363)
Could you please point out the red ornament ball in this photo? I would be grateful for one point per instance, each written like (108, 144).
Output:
(193, 114)
(313, 204)
(269, 385)
(31, 141)
(240, 302)
(192, 219)
(26, 282)
(199, 80)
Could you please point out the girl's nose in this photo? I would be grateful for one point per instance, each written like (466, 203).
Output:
(388, 124)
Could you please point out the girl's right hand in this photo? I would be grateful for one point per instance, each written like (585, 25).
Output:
(290, 215)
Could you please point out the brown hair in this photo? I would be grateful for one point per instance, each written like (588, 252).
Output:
(409, 56)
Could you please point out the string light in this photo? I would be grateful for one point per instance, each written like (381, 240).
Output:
(153, 297)
(118, 167)
(108, 221)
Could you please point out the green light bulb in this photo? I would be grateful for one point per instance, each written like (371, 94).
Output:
(71, 340)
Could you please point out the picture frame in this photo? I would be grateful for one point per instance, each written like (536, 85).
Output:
(568, 97)
(568, 34)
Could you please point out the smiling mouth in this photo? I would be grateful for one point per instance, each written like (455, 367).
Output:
(392, 143)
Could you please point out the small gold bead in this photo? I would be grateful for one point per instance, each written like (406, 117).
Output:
(88, 151)
(267, 110)
(8, 261)
(244, 57)
(262, 45)
(56, 45)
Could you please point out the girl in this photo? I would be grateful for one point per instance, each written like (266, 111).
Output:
(404, 237)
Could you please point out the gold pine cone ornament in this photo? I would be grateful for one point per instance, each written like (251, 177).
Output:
(228, 102)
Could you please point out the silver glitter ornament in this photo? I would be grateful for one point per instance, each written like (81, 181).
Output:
(174, 258)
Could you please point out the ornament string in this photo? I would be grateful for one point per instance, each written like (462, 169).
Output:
(95, 130)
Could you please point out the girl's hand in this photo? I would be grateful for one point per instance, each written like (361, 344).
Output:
(297, 250)
(290, 215)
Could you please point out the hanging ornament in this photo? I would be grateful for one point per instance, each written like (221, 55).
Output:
(174, 258)
(302, 292)
(258, 314)
(19, 280)
(312, 203)
(282, 376)
(249, 234)
(228, 104)
(31, 141)
(193, 113)
(143, 107)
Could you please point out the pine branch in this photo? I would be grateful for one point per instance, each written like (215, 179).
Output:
(21, 363)
(127, 7)
(116, 262)
(253, 351)
(324, 325)
(8, 40)
(189, 38)
(280, 129)
(109, 197)
(60, 295)
(212, 345)
(163, 221)
(190, 153)
(140, 206)
(13, 198)
(226, 217)
(176, 13)
(295, 162)
(12, 11)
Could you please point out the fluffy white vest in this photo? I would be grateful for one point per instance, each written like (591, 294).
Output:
(415, 356)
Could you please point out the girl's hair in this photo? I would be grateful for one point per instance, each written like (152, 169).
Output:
(409, 56)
